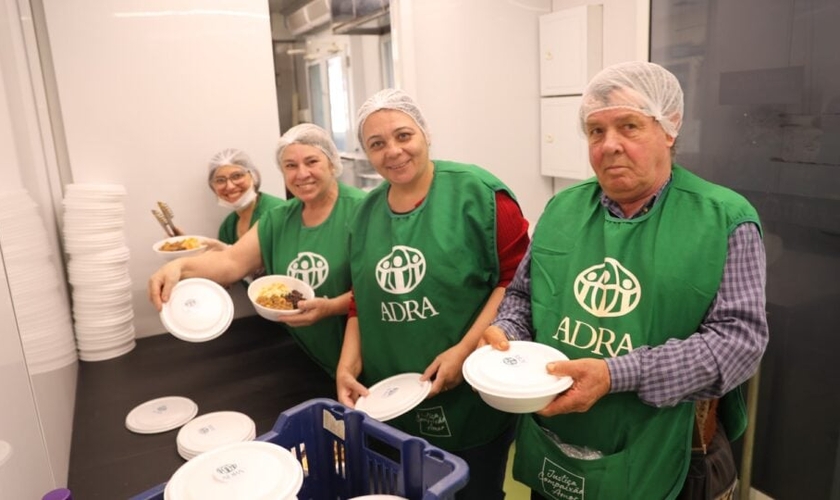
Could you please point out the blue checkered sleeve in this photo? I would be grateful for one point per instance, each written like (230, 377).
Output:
(725, 350)
(514, 314)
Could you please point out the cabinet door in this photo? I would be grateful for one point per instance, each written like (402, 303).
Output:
(571, 46)
(563, 149)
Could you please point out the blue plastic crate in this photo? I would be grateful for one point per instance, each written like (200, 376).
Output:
(347, 454)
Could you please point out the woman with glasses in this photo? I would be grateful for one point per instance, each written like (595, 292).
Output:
(236, 182)
(305, 237)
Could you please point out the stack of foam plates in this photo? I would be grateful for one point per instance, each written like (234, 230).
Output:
(394, 396)
(212, 430)
(254, 470)
(161, 415)
(36, 284)
(97, 268)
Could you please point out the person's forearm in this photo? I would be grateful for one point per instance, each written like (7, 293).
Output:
(210, 265)
(229, 265)
(339, 305)
(514, 314)
(470, 340)
(351, 349)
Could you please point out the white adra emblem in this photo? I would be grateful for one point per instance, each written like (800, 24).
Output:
(608, 290)
(401, 270)
(310, 268)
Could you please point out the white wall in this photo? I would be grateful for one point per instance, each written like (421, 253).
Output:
(7, 142)
(473, 67)
(39, 416)
(149, 91)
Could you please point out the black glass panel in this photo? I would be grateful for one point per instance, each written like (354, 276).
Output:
(762, 116)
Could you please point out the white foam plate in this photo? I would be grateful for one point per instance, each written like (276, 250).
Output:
(212, 430)
(518, 372)
(394, 396)
(198, 310)
(161, 414)
(254, 470)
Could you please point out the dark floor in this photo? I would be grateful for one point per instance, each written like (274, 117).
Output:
(254, 368)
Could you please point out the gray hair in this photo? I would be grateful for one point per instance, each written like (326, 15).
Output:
(311, 135)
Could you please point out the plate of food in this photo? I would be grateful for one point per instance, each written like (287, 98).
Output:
(278, 295)
(180, 246)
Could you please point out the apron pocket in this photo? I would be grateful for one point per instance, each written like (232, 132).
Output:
(545, 468)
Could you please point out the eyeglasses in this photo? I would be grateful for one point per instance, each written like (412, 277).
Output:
(235, 178)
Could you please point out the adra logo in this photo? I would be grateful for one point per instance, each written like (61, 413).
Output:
(607, 290)
(310, 268)
(401, 270)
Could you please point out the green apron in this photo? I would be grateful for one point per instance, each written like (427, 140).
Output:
(265, 202)
(420, 279)
(601, 286)
(318, 256)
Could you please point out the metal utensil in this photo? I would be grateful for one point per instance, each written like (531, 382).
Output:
(163, 223)
(164, 217)
(168, 214)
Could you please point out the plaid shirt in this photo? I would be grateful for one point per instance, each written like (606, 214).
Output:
(724, 351)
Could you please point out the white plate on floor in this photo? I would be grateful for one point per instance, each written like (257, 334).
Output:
(161, 415)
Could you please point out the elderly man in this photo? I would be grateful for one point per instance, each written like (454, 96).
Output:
(651, 280)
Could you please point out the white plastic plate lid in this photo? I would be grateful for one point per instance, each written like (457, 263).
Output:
(161, 414)
(394, 396)
(254, 470)
(198, 310)
(518, 372)
(213, 430)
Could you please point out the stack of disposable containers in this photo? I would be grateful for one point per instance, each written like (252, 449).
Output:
(36, 285)
(213, 430)
(97, 268)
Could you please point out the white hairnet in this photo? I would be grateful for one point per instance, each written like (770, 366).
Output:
(391, 99)
(232, 156)
(311, 135)
(638, 85)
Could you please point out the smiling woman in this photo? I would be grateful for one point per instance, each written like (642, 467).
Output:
(235, 181)
(304, 238)
(431, 251)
